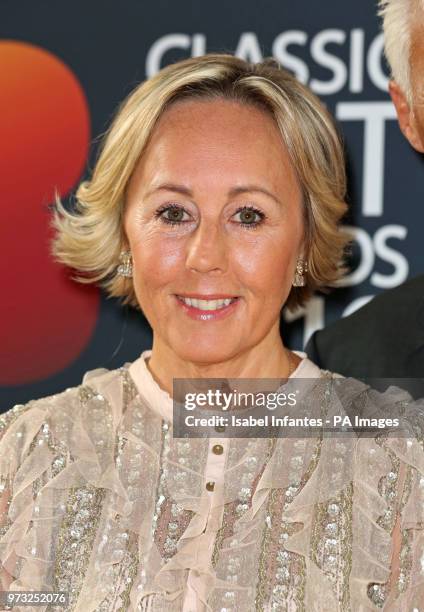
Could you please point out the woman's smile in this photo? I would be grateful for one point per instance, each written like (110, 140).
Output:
(207, 309)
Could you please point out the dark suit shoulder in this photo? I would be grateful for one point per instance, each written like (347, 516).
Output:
(387, 308)
(377, 339)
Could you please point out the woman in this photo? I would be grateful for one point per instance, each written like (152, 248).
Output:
(215, 201)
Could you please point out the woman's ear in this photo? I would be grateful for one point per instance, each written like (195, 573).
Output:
(406, 117)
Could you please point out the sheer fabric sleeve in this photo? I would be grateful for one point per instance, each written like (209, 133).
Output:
(5, 577)
(401, 489)
(18, 428)
(406, 584)
(6, 480)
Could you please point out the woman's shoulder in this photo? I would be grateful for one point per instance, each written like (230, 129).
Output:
(389, 416)
(21, 424)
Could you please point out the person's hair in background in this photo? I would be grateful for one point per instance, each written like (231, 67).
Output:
(398, 17)
(403, 27)
(91, 238)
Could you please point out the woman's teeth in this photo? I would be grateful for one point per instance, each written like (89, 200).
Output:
(206, 304)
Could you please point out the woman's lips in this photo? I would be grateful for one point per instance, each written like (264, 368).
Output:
(201, 314)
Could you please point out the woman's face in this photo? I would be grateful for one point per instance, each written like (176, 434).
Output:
(213, 212)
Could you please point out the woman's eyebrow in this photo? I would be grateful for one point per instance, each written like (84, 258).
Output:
(251, 188)
(232, 192)
(170, 187)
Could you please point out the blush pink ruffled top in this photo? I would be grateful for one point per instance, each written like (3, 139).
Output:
(99, 500)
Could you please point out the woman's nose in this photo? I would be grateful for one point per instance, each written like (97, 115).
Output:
(207, 249)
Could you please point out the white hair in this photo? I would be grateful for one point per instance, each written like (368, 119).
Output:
(398, 17)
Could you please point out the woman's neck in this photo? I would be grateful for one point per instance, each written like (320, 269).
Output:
(266, 360)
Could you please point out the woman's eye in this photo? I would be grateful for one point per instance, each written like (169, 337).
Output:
(249, 216)
(173, 215)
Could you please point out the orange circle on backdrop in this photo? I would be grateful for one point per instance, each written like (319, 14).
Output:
(46, 319)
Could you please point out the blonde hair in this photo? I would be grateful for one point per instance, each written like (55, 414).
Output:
(398, 17)
(90, 238)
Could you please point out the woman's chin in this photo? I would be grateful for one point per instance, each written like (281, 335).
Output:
(204, 353)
